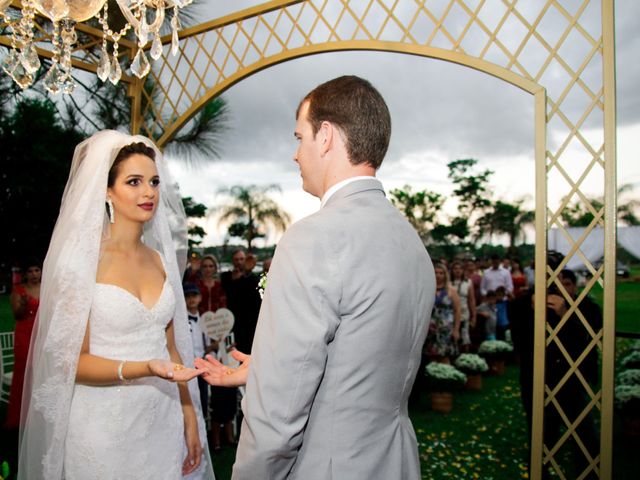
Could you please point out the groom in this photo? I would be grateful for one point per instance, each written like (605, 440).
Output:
(346, 311)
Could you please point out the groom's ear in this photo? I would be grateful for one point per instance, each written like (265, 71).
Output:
(326, 134)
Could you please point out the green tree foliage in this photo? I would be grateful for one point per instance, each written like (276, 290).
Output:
(194, 210)
(35, 158)
(250, 210)
(420, 208)
(506, 218)
(470, 186)
(577, 214)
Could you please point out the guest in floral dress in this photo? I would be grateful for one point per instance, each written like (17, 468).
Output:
(444, 328)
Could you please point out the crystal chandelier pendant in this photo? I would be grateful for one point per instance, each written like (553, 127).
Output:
(23, 78)
(175, 26)
(29, 59)
(69, 85)
(104, 66)
(10, 62)
(140, 65)
(156, 47)
(116, 71)
(53, 79)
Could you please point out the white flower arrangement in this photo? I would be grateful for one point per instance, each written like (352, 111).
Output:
(632, 360)
(629, 377)
(494, 348)
(627, 398)
(262, 284)
(444, 378)
(471, 364)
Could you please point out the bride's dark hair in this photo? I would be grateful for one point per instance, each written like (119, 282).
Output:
(124, 153)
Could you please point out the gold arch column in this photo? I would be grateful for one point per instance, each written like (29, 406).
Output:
(569, 70)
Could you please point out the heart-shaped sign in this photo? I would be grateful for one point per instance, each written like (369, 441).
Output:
(219, 324)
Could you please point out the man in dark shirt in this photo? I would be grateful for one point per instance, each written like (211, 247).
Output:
(575, 338)
(243, 299)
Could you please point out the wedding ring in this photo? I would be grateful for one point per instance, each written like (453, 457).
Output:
(229, 372)
(177, 367)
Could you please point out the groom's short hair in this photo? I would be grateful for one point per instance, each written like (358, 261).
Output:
(358, 110)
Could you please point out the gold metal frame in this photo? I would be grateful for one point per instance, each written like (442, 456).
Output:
(474, 33)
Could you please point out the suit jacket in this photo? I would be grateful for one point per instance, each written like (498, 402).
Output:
(337, 346)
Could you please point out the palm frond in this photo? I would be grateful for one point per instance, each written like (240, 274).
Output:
(202, 139)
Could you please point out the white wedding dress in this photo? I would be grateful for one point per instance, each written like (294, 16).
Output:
(133, 430)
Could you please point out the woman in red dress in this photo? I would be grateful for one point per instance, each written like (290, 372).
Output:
(24, 299)
(520, 284)
(208, 282)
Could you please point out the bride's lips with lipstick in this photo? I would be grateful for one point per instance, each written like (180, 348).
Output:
(146, 206)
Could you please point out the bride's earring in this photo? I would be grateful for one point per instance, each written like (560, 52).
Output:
(110, 212)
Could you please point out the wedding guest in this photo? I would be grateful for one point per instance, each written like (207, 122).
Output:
(444, 328)
(496, 276)
(472, 273)
(571, 397)
(192, 273)
(341, 330)
(208, 282)
(529, 272)
(502, 315)
(24, 300)
(243, 299)
(464, 289)
(266, 265)
(518, 278)
(488, 311)
(106, 391)
(202, 344)
(221, 407)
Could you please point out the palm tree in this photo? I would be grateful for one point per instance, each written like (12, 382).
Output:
(507, 218)
(250, 209)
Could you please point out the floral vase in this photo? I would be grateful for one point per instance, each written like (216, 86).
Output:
(442, 402)
(496, 366)
(474, 382)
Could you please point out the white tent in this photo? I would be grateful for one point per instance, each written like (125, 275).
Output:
(592, 247)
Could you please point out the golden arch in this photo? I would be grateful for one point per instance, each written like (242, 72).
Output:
(523, 83)
(216, 55)
(569, 69)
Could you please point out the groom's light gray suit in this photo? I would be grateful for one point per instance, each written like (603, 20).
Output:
(338, 345)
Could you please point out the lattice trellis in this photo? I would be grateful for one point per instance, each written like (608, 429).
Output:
(560, 51)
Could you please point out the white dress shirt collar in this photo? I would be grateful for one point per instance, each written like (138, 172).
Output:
(329, 193)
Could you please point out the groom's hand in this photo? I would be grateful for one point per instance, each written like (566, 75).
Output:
(219, 375)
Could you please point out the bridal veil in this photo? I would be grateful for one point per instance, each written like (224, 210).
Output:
(68, 282)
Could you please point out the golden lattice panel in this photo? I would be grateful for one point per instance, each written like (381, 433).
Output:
(556, 45)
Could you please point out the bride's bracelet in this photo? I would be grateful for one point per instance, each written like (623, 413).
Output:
(120, 375)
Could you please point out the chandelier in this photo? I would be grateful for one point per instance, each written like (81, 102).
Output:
(144, 17)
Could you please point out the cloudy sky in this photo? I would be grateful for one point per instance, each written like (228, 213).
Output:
(440, 112)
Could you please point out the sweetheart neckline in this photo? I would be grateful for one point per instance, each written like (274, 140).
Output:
(150, 309)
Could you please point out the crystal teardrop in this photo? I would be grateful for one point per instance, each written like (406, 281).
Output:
(30, 59)
(140, 65)
(104, 67)
(52, 80)
(10, 62)
(23, 78)
(143, 33)
(156, 47)
(116, 72)
(69, 85)
(175, 42)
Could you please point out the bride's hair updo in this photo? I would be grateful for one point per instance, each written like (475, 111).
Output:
(124, 153)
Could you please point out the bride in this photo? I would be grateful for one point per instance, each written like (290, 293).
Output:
(106, 394)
